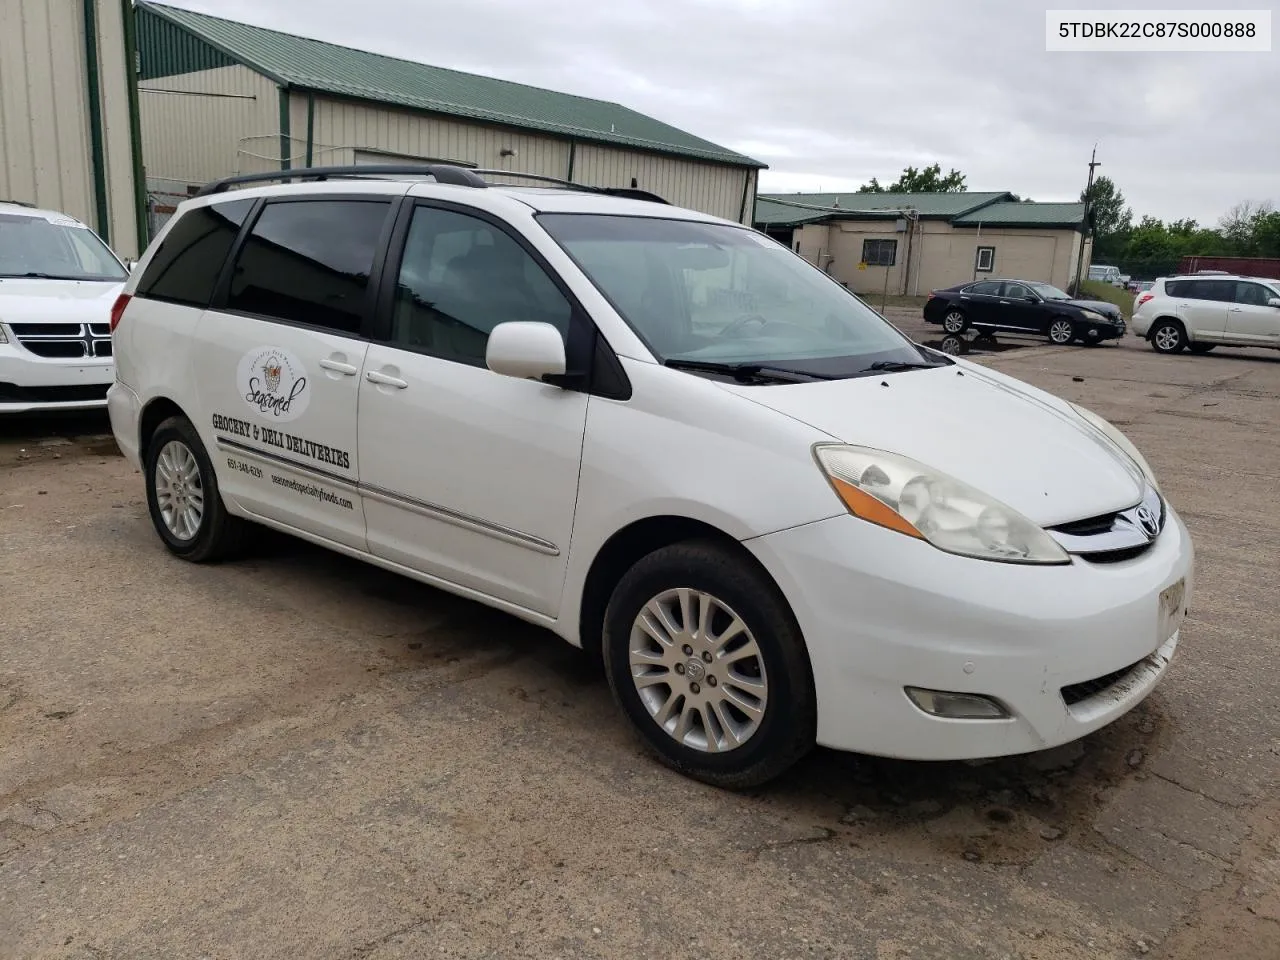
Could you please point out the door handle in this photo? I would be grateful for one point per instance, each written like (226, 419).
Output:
(1004, 303)
(385, 380)
(337, 366)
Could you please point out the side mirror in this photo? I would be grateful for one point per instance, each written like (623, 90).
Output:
(1274, 302)
(525, 350)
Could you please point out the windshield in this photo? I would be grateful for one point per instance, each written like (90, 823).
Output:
(35, 247)
(1049, 291)
(713, 294)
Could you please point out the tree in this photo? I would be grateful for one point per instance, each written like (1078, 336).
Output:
(929, 180)
(1245, 225)
(1109, 218)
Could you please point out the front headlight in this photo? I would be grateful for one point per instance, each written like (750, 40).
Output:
(1095, 316)
(903, 495)
(1120, 440)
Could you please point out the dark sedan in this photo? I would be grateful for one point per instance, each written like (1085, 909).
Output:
(1023, 306)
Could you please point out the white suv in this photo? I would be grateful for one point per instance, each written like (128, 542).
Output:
(666, 438)
(1199, 312)
(58, 281)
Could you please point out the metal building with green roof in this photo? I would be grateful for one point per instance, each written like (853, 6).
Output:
(911, 243)
(218, 97)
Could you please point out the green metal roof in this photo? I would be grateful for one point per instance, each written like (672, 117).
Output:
(785, 209)
(1027, 214)
(961, 209)
(315, 65)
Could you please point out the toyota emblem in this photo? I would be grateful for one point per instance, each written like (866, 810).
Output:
(1148, 521)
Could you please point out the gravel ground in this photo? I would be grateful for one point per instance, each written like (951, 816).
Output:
(296, 755)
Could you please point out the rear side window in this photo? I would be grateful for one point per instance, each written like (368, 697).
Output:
(186, 266)
(1219, 290)
(308, 262)
(987, 288)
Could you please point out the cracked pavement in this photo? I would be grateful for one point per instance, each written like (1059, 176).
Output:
(298, 755)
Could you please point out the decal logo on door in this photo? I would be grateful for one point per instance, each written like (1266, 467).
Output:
(274, 383)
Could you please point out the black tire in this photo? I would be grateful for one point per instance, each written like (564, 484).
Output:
(1062, 331)
(1168, 336)
(218, 535)
(954, 321)
(788, 725)
(1199, 348)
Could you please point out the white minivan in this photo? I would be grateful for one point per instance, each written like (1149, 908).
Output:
(667, 438)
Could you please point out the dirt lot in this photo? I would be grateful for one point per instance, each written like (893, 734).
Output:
(299, 756)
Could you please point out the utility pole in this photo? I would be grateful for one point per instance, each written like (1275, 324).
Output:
(1084, 235)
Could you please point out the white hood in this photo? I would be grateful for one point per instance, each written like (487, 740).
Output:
(1011, 441)
(58, 301)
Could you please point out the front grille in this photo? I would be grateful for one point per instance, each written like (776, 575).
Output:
(67, 349)
(1073, 694)
(1115, 537)
(65, 341)
(12, 393)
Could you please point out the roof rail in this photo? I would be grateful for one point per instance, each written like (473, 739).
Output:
(442, 172)
(19, 203)
(633, 193)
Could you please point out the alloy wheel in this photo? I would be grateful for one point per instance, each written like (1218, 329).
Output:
(698, 670)
(1060, 331)
(179, 491)
(953, 322)
(1168, 338)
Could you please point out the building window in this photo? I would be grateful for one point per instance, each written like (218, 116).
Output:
(879, 253)
(986, 261)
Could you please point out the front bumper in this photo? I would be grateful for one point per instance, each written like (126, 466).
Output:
(31, 383)
(881, 611)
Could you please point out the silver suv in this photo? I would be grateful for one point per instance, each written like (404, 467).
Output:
(1201, 311)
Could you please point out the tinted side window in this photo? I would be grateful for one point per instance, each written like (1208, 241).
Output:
(1176, 288)
(186, 266)
(1252, 294)
(460, 277)
(308, 262)
(1016, 291)
(987, 288)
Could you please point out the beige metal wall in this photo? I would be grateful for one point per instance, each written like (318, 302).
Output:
(200, 126)
(46, 153)
(341, 128)
(710, 188)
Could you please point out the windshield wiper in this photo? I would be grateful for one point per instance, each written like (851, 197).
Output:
(894, 365)
(747, 371)
(33, 275)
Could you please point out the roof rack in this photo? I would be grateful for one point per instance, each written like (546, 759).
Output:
(19, 203)
(442, 172)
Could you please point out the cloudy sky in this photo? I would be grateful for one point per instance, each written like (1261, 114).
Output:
(830, 93)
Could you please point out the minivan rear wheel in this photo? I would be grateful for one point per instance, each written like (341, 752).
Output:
(707, 662)
(1168, 336)
(183, 499)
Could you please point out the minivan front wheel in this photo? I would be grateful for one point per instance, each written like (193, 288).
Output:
(1168, 336)
(707, 662)
(182, 496)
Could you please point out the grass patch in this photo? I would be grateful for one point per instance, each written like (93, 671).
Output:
(1096, 290)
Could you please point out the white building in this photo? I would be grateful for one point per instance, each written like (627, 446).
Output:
(69, 127)
(220, 98)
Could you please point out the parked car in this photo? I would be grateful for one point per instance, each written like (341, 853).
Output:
(1024, 306)
(58, 281)
(1141, 286)
(666, 438)
(1199, 312)
(1105, 274)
